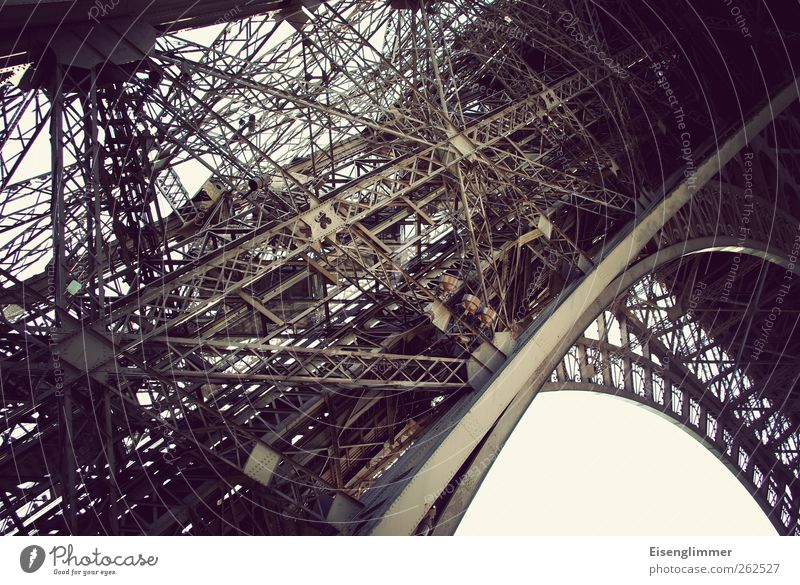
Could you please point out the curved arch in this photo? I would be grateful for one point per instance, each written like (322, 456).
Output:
(493, 442)
(452, 446)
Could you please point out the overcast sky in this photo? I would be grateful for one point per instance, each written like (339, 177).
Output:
(587, 464)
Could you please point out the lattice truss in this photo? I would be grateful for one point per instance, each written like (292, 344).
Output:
(257, 268)
(709, 340)
(676, 368)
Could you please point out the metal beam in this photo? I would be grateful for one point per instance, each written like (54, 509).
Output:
(404, 507)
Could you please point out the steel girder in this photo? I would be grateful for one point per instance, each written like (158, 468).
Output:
(403, 505)
(264, 244)
(685, 340)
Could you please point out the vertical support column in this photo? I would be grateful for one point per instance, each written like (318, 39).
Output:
(95, 232)
(57, 191)
(583, 364)
(702, 421)
(684, 401)
(113, 494)
(602, 328)
(67, 456)
(648, 369)
(627, 368)
(667, 392)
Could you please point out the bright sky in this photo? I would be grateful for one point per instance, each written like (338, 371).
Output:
(587, 464)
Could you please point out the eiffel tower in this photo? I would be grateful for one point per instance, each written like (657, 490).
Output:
(299, 267)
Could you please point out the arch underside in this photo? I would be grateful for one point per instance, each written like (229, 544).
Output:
(726, 374)
(720, 241)
(686, 376)
(649, 345)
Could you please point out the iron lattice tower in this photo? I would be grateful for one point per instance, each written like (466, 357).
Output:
(302, 274)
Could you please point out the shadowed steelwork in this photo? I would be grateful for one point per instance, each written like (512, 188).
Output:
(300, 272)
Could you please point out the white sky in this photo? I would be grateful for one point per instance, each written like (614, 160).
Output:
(588, 464)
